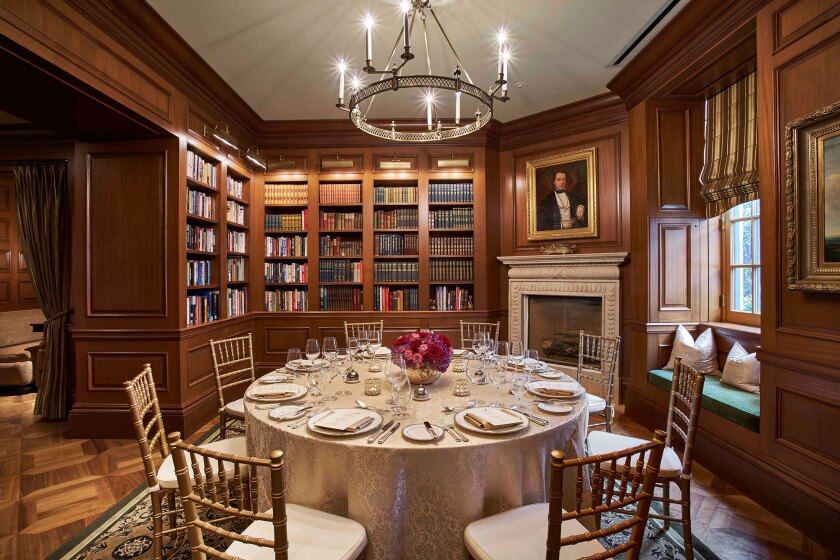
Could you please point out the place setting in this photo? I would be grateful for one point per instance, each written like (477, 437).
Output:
(345, 422)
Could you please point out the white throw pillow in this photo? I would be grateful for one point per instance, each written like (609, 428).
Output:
(700, 354)
(741, 370)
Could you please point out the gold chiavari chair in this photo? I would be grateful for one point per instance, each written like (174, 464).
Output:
(683, 414)
(469, 330)
(618, 479)
(148, 427)
(353, 330)
(309, 533)
(232, 358)
(598, 359)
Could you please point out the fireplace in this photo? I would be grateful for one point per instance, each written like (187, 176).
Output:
(554, 324)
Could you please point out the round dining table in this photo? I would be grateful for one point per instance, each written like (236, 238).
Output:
(416, 498)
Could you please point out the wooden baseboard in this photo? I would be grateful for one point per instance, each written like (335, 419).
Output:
(745, 470)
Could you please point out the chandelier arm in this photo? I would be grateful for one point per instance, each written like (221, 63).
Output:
(426, 40)
(399, 68)
(448, 42)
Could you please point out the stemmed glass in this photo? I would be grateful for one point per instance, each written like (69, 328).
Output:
(519, 388)
(481, 344)
(312, 350)
(517, 352)
(400, 394)
(294, 356)
(498, 375)
(315, 380)
(502, 354)
(393, 370)
(353, 348)
(330, 350)
(532, 363)
(364, 343)
(342, 356)
(474, 373)
(375, 341)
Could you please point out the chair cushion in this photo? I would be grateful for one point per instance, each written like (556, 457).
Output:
(598, 443)
(232, 446)
(596, 403)
(735, 405)
(521, 533)
(313, 535)
(236, 408)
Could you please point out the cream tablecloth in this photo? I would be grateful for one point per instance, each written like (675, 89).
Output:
(414, 499)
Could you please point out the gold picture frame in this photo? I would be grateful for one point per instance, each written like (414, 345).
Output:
(563, 195)
(812, 189)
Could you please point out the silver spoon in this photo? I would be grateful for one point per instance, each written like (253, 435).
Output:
(453, 410)
(361, 404)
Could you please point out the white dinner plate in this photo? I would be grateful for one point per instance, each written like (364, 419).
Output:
(418, 432)
(535, 386)
(552, 374)
(275, 378)
(377, 422)
(556, 408)
(458, 351)
(467, 425)
(256, 393)
(287, 412)
(306, 365)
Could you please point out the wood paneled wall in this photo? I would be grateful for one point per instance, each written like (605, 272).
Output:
(16, 289)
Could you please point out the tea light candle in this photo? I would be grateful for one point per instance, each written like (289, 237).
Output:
(461, 388)
(373, 387)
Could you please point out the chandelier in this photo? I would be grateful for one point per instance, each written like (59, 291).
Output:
(392, 80)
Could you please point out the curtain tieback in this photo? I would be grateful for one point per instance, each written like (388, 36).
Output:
(58, 315)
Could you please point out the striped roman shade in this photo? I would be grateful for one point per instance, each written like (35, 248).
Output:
(730, 165)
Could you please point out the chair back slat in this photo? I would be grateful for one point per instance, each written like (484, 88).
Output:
(635, 482)
(142, 402)
(243, 487)
(353, 330)
(233, 358)
(686, 393)
(598, 359)
(470, 329)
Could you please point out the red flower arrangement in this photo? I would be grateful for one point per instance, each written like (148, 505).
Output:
(424, 349)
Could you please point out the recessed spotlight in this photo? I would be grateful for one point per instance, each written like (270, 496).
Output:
(521, 85)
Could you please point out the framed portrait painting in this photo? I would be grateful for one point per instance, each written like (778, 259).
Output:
(563, 196)
(812, 157)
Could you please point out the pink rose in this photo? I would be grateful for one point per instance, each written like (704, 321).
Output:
(423, 348)
(417, 359)
(408, 354)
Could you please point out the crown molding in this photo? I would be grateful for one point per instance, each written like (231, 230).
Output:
(696, 33)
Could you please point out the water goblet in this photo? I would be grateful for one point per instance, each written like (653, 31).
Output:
(401, 395)
(517, 352)
(498, 376)
(393, 370)
(315, 380)
(474, 372)
(531, 362)
(354, 350)
(375, 341)
(342, 356)
(364, 343)
(294, 357)
(519, 387)
(313, 350)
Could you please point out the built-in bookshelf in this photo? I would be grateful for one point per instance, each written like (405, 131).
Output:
(340, 246)
(203, 198)
(237, 245)
(286, 246)
(451, 245)
(396, 268)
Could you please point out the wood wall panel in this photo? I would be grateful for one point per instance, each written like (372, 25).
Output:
(26, 292)
(16, 290)
(5, 196)
(810, 436)
(5, 230)
(279, 339)
(127, 234)
(107, 371)
(5, 260)
(672, 143)
(5, 292)
(675, 270)
(798, 18)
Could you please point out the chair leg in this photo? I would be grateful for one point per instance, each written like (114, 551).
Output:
(222, 422)
(685, 513)
(608, 412)
(157, 525)
(173, 517)
(666, 506)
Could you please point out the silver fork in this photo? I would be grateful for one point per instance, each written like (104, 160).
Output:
(306, 418)
(451, 427)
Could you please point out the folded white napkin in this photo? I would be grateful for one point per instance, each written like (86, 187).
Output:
(492, 419)
(344, 420)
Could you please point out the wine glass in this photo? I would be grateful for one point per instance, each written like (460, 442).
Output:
(315, 380)
(502, 353)
(342, 356)
(480, 345)
(353, 349)
(364, 343)
(393, 370)
(294, 357)
(519, 388)
(312, 350)
(474, 372)
(330, 348)
(401, 395)
(375, 341)
(517, 351)
(498, 376)
(532, 363)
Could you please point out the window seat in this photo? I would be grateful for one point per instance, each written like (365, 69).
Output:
(740, 407)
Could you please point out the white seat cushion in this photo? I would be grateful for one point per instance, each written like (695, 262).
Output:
(596, 403)
(236, 408)
(520, 534)
(232, 446)
(604, 442)
(313, 535)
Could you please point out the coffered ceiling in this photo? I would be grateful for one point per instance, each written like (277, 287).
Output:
(281, 56)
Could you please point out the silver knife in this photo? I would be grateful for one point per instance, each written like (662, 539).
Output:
(365, 424)
(430, 430)
(387, 435)
(387, 425)
(536, 419)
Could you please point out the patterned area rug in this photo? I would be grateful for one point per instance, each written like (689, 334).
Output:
(125, 531)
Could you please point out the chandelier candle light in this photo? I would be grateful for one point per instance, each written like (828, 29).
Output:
(392, 80)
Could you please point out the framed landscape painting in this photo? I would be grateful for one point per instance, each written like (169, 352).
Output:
(563, 196)
(812, 153)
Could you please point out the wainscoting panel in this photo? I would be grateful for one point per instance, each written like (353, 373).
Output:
(672, 150)
(107, 371)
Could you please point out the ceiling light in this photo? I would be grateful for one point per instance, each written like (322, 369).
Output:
(254, 156)
(221, 133)
(438, 127)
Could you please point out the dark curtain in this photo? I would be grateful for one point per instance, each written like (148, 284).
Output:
(42, 212)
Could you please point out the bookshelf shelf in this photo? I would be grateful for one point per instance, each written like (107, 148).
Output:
(281, 284)
(203, 253)
(450, 230)
(451, 282)
(341, 283)
(355, 257)
(236, 225)
(340, 205)
(451, 256)
(395, 204)
(201, 185)
(444, 204)
(203, 287)
(229, 282)
(236, 254)
(292, 231)
(397, 230)
(376, 283)
(287, 205)
(401, 257)
(342, 231)
(302, 258)
(237, 199)
(202, 219)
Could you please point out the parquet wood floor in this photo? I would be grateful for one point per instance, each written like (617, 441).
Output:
(51, 487)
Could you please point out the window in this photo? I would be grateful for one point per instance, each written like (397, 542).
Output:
(741, 264)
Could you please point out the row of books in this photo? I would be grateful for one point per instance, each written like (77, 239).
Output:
(340, 220)
(337, 247)
(396, 244)
(287, 300)
(235, 212)
(285, 246)
(198, 273)
(202, 307)
(201, 204)
(401, 218)
(235, 187)
(450, 192)
(236, 241)
(386, 298)
(236, 270)
(451, 246)
(202, 170)
(286, 272)
(340, 298)
(201, 238)
(340, 193)
(451, 270)
(452, 299)
(332, 270)
(390, 271)
(395, 194)
(237, 301)
(451, 218)
(287, 194)
(287, 221)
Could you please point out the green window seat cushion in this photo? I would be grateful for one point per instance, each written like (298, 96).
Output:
(733, 404)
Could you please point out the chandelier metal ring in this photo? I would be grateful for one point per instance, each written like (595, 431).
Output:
(395, 83)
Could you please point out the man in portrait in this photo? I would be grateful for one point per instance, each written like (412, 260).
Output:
(561, 208)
